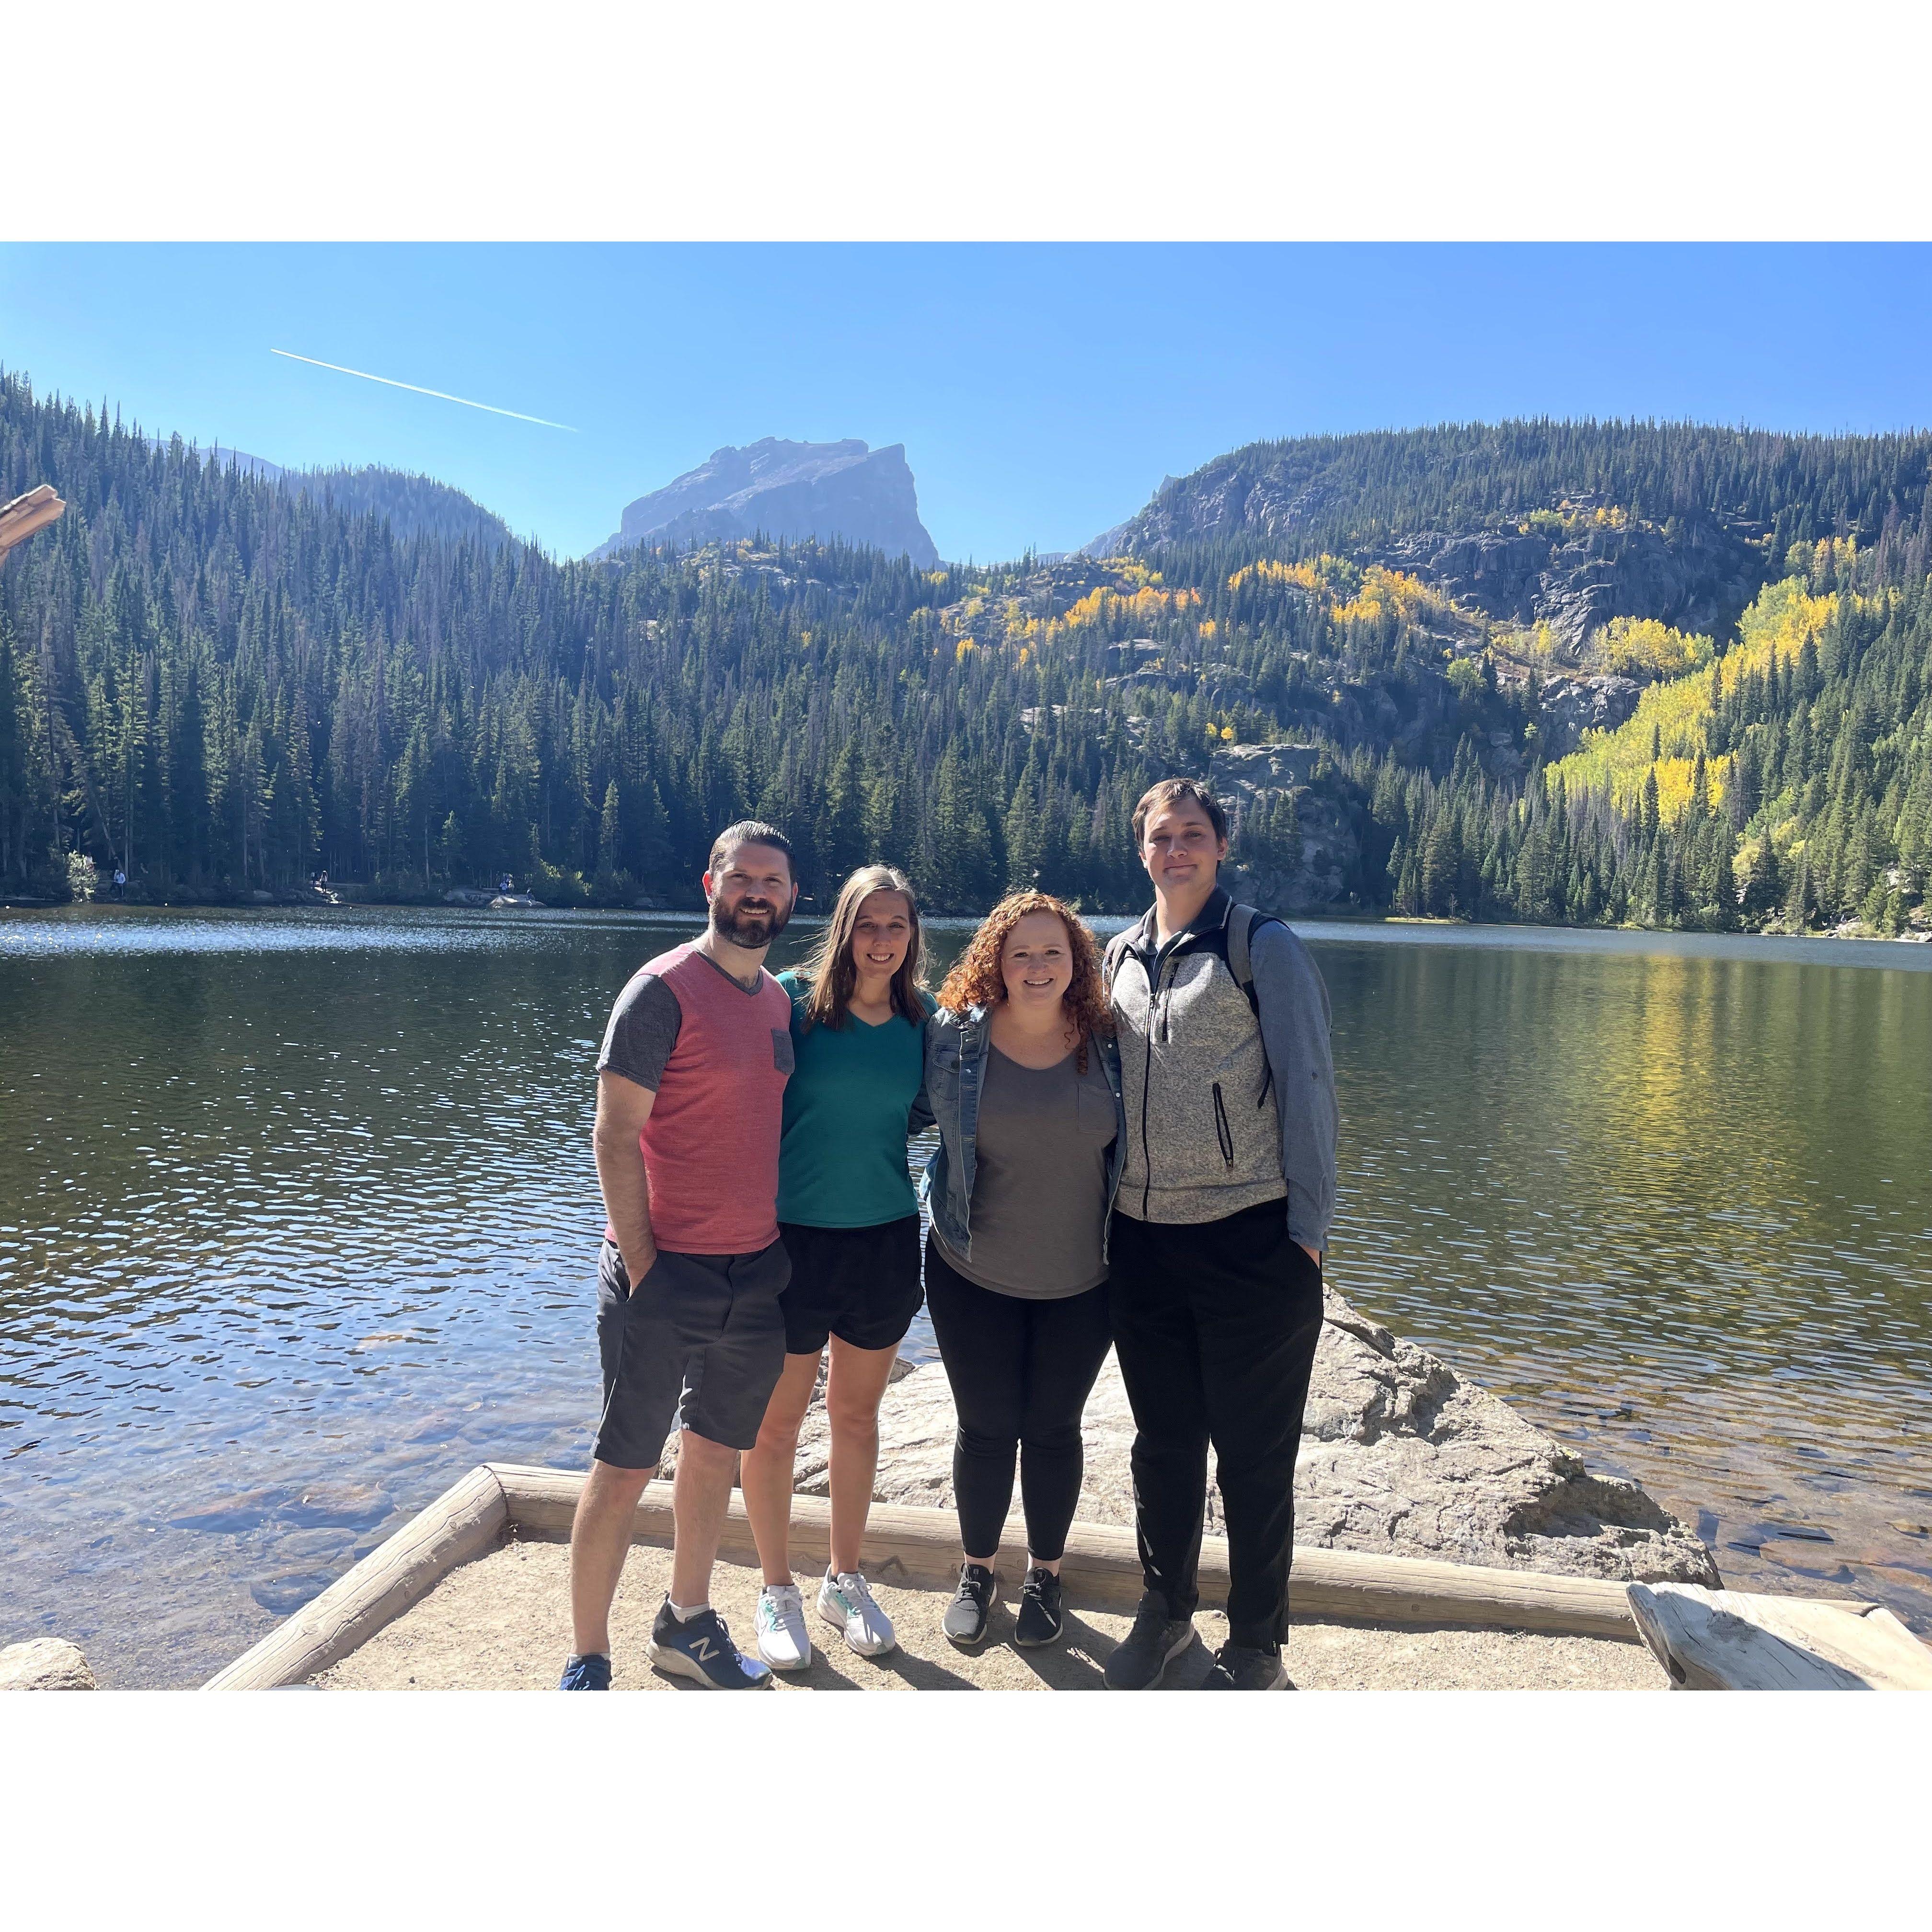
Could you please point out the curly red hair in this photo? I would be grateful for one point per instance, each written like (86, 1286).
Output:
(976, 980)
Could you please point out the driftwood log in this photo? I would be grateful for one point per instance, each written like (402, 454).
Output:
(24, 515)
(464, 1521)
(921, 1547)
(1733, 1640)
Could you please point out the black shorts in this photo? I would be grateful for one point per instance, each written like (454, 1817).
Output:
(860, 1284)
(699, 1341)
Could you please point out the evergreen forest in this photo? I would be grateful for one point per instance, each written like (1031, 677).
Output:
(224, 686)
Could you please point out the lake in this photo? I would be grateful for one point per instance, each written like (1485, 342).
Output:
(297, 1220)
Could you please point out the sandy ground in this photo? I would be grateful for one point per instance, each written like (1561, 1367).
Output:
(502, 1623)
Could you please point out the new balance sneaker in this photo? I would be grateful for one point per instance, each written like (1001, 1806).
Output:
(971, 1612)
(591, 1672)
(779, 1627)
(1141, 1656)
(703, 1650)
(1239, 1667)
(1039, 1618)
(845, 1600)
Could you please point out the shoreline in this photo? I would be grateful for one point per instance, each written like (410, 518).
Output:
(1325, 916)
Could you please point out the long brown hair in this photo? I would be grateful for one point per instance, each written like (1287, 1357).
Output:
(977, 981)
(834, 972)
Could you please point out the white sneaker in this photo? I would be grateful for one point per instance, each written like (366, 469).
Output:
(780, 1627)
(847, 1601)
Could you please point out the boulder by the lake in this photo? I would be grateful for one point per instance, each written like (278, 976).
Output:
(1400, 1455)
(46, 1663)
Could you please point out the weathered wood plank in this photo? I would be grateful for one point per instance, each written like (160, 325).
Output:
(921, 1547)
(24, 515)
(461, 1523)
(1737, 1640)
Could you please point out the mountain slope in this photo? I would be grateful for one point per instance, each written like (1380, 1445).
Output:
(842, 492)
(1566, 525)
(413, 504)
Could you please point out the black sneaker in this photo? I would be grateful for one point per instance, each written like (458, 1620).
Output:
(1141, 1656)
(971, 1612)
(703, 1650)
(1238, 1667)
(590, 1671)
(1038, 1621)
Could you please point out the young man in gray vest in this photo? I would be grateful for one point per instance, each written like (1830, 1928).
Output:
(1215, 1283)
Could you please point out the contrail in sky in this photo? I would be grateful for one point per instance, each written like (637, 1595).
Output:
(441, 395)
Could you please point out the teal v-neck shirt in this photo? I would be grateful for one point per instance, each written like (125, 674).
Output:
(842, 1157)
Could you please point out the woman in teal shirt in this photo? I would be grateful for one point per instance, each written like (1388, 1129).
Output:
(850, 1221)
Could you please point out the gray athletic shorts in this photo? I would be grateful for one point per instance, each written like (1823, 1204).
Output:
(699, 1342)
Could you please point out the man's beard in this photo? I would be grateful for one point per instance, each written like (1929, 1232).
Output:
(750, 930)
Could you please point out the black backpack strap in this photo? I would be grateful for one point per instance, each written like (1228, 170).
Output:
(1242, 923)
(1117, 951)
(1240, 928)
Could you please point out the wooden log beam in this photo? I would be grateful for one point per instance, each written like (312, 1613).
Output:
(920, 1547)
(24, 515)
(1735, 1640)
(465, 1520)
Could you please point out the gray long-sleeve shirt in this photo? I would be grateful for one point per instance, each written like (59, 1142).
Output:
(1223, 1110)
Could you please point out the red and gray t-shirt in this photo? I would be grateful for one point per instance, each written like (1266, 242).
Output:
(717, 1057)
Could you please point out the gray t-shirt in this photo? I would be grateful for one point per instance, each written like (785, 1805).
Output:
(1040, 1179)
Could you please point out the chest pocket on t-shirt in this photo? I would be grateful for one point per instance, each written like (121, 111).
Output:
(781, 1053)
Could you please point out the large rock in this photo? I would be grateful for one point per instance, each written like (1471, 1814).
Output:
(1246, 778)
(46, 1663)
(791, 490)
(1399, 1455)
(1572, 706)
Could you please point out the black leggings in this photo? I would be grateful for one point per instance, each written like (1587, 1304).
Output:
(1022, 1372)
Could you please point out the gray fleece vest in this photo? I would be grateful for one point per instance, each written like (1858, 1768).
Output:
(1203, 1134)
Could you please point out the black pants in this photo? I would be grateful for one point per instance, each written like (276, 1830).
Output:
(1215, 1325)
(1022, 1372)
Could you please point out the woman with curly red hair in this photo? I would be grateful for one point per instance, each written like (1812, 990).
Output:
(1023, 1080)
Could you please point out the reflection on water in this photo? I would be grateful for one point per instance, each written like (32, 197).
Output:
(297, 1210)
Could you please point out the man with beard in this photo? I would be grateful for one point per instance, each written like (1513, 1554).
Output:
(690, 1091)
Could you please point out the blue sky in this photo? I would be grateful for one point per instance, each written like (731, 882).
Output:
(1041, 391)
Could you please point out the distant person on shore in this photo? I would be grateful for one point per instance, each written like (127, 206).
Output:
(1218, 1234)
(850, 1221)
(690, 1097)
(1023, 1079)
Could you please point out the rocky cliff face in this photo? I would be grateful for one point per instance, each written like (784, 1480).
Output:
(1247, 779)
(1572, 706)
(1574, 582)
(1522, 566)
(792, 490)
(1399, 1455)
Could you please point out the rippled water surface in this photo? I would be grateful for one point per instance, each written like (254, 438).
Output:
(298, 1213)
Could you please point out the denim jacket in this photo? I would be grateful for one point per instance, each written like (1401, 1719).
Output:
(955, 1068)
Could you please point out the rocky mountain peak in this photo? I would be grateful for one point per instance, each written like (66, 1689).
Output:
(845, 490)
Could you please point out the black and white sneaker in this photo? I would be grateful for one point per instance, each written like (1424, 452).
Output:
(703, 1650)
(969, 1614)
(1239, 1667)
(1141, 1656)
(1038, 1621)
